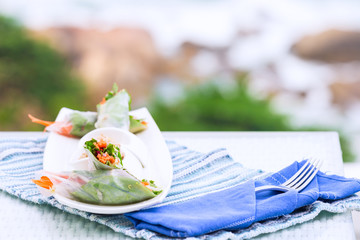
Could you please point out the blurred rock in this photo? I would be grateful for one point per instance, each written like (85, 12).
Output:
(331, 46)
(129, 57)
(344, 94)
(179, 64)
(124, 55)
(194, 62)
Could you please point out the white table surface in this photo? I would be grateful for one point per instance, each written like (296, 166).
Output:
(269, 151)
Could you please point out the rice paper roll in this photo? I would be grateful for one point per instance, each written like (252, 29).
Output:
(75, 124)
(113, 111)
(113, 190)
(101, 187)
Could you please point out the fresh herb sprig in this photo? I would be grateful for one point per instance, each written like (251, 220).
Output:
(112, 92)
(151, 183)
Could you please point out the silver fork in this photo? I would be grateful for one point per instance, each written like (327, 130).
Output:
(298, 181)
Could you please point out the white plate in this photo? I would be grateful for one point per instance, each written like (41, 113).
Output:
(60, 151)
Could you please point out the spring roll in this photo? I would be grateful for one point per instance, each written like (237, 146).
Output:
(113, 110)
(100, 187)
(75, 124)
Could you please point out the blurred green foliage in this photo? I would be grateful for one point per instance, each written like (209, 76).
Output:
(34, 78)
(211, 107)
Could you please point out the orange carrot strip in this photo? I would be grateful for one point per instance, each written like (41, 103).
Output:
(102, 144)
(96, 145)
(145, 183)
(102, 101)
(44, 182)
(42, 122)
(66, 130)
(111, 159)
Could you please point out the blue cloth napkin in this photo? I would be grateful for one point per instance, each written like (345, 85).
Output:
(238, 207)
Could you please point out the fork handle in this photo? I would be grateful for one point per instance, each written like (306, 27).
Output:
(272, 188)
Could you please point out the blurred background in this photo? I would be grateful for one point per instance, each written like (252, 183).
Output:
(197, 65)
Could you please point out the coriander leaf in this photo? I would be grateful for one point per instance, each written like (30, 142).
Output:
(110, 149)
(112, 92)
(157, 192)
(90, 146)
(152, 184)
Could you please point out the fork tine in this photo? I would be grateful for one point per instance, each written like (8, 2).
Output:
(290, 180)
(303, 175)
(297, 181)
(309, 177)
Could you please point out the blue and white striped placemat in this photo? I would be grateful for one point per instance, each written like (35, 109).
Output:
(195, 174)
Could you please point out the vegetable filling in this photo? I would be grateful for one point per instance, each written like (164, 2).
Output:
(106, 153)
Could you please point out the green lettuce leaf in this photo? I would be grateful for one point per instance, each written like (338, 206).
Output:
(136, 125)
(113, 190)
(82, 122)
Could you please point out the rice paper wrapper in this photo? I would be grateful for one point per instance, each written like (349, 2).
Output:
(102, 187)
(114, 112)
(82, 122)
(79, 122)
